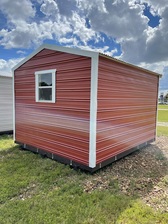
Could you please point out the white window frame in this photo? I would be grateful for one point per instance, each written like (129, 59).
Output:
(37, 73)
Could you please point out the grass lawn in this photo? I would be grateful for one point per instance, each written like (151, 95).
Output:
(39, 190)
(163, 115)
(163, 107)
(162, 130)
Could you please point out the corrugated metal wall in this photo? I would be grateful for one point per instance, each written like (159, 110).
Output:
(62, 127)
(6, 104)
(126, 114)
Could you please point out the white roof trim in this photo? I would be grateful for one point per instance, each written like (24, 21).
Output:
(80, 52)
(75, 51)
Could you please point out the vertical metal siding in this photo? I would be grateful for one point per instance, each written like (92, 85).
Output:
(6, 104)
(127, 102)
(61, 127)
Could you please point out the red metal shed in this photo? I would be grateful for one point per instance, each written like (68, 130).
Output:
(82, 107)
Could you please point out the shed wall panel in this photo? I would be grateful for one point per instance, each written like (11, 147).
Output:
(6, 104)
(62, 127)
(127, 104)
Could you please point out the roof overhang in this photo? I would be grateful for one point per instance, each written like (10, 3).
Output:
(75, 51)
(80, 52)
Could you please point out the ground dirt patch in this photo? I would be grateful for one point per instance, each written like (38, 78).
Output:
(143, 174)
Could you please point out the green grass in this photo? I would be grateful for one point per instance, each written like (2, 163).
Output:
(163, 115)
(162, 130)
(6, 142)
(42, 191)
(163, 107)
(137, 213)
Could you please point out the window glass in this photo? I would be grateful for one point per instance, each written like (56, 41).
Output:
(45, 94)
(45, 79)
(45, 85)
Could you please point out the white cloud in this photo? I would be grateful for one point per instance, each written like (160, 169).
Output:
(117, 19)
(49, 8)
(66, 8)
(7, 65)
(61, 28)
(80, 29)
(123, 20)
(157, 45)
(88, 5)
(71, 42)
(54, 25)
(156, 5)
(17, 10)
(25, 35)
(157, 67)
(151, 46)
(21, 52)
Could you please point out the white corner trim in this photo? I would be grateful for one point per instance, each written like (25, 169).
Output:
(157, 109)
(93, 111)
(13, 88)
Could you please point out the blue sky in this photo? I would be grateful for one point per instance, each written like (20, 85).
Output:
(134, 31)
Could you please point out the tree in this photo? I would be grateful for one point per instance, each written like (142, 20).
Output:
(166, 98)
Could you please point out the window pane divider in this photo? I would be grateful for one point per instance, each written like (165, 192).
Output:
(45, 87)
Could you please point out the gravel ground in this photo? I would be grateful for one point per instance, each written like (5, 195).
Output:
(143, 174)
(162, 144)
(158, 196)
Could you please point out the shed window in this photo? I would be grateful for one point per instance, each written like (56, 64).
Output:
(45, 85)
